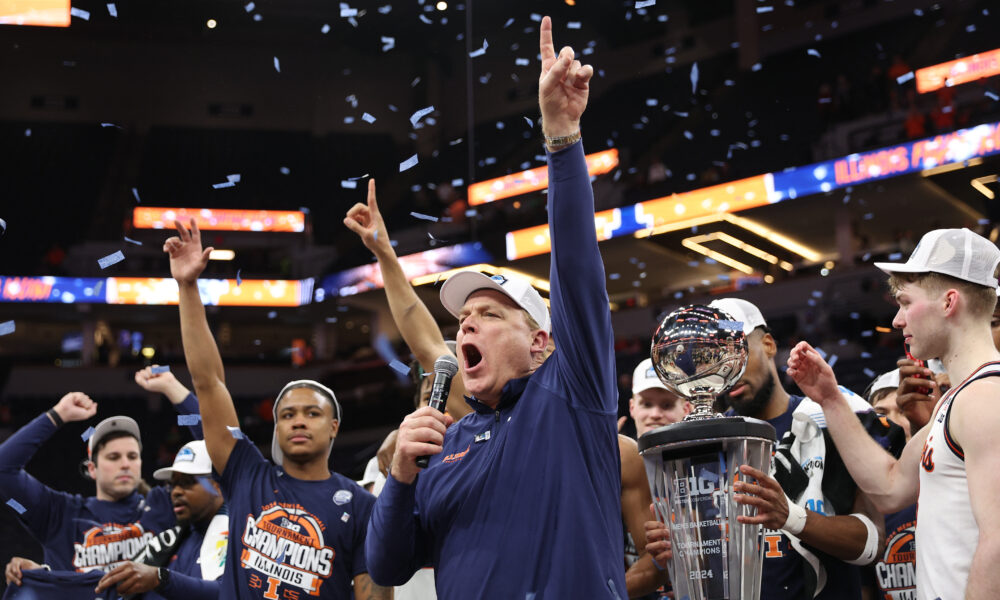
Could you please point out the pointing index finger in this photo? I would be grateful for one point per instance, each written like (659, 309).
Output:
(545, 45)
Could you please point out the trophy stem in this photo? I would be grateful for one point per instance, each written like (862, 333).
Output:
(703, 402)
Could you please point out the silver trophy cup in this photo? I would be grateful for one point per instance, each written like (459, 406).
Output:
(698, 353)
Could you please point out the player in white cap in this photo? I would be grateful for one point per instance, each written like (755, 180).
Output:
(196, 551)
(946, 292)
(652, 405)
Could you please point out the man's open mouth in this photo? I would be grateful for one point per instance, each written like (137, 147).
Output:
(472, 355)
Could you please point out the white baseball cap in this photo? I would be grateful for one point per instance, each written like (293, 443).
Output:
(111, 425)
(645, 378)
(959, 253)
(457, 289)
(741, 311)
(889, 380)
(192, 459)
(276, 454)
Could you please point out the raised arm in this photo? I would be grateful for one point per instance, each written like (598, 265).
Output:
(181, 398)
(416, 324)
(581, 319)
(187, 261)
(890, 484)
(44, 506)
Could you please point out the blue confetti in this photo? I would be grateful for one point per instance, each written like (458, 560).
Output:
(904, 78)
(272, 314)
(109, 125)
(855, 316)
(235, 177)
(509, 22)
(86, 435)
(388, 43)
(131, 241)
(992, 96)
(408, 163)
(325, 29)
(135, 194)
(694, 73)
(235, 432)
(573, 25)
(813, 52)
(522, 62)
(3, 227)
(367, 118)
(821, 353)
(112, 10)
(866, 355)
(224, 184)
(79, 13)
(7, 327)
(415, 117)
(285, 171)
(895, 256)
(188, 420)
(756, 67)
(207, 484)
(346, 11)
(16, 506)
(349, 185)
(159, 369)
(249, 7)
(764, 9)
(27, 132)
(426, 19)
(868, 373)
(111, 259)
(867, 333)
(480, 51)
(239, 280)
(833, 360)
(277, 65)
(424, 217)
(399, 367)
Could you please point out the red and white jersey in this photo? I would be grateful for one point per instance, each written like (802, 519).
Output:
(947, 533)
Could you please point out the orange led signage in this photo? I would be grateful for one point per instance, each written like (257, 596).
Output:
(215, 292)
(723, 198)
(220, 219)
(533, 180)
(957, 72)
(49, 13)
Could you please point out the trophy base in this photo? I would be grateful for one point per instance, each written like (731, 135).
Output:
(692, 466)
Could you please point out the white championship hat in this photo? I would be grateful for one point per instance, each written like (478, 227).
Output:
(458, 287)
(741, 311)
(192, 459)
(889, 380)
(959, 253)
(645, 378)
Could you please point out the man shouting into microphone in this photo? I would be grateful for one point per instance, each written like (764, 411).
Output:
(521, 497)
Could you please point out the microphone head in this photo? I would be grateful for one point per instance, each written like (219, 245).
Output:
(447, 364)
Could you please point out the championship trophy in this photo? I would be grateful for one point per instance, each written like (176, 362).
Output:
(699, 352)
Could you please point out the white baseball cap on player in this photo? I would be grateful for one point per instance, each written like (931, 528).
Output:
(889, 380)
(741, 311)
(112, 425)
(457, 289)
(191, 459)
(958, 253)
(326, 393)
(644, 378)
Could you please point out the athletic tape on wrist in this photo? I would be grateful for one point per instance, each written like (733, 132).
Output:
(871, 544)
(796, 520)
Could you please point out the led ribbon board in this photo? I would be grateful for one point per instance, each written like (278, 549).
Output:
(220, 219)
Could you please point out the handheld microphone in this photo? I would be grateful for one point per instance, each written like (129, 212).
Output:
(445, 367)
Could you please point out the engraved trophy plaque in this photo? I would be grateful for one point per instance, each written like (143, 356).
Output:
(698, 353)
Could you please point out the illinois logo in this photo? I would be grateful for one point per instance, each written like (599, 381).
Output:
(927, 456)
(285, 546)
(106, 546)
